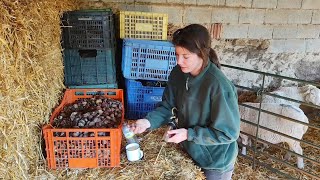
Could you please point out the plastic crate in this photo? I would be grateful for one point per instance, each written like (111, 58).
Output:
(149, 60)
(141, 99)
(88, 29)
(85, 68)
(143, 25)
(83, 152)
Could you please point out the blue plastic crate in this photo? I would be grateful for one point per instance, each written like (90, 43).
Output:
(88, 29)
(149, 60)
(141, 99)
(89, 68)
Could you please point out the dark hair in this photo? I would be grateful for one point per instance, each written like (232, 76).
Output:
(196, 39)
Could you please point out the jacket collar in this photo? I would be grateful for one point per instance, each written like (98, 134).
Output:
(195, 79)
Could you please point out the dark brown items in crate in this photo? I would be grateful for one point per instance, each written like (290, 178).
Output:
(84, 147)
(96, 112)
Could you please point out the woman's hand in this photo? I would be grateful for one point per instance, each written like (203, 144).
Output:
(140, 126)
(177, 135)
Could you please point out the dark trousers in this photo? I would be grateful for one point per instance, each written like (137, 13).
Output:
(217, 175)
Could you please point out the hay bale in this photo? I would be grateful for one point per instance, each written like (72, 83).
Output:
(31, 79)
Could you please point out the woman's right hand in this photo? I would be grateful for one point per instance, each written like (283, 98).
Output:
(140, 126)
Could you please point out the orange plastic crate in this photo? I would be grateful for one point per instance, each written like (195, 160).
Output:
(101, 150)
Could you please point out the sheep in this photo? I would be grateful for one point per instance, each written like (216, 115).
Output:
(275, 123)
(308, 93)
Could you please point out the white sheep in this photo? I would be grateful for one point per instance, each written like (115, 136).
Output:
(275, 123)
(308, 93)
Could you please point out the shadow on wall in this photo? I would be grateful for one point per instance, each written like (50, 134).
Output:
(308, 70)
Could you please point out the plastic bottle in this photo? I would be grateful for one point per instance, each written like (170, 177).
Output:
(128, 134)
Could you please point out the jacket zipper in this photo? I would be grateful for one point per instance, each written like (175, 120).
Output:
(187, 86)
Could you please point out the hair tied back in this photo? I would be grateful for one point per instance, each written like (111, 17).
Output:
(176, 33)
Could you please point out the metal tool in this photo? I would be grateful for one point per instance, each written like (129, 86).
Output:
(172, 124)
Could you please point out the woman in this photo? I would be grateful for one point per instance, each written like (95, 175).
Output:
(209, 121)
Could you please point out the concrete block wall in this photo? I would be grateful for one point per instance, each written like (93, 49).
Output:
(276, 20)
(276, 36)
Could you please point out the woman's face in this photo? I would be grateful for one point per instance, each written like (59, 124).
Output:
(189, 62)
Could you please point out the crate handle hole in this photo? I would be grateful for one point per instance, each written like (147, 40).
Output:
(103, 134)
(111, 93)
(79, 93)
(95, 93)
(88, 53)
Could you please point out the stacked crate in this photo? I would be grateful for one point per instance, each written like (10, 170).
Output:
(89, 49)
(100, 149)
(89, 66)
(147, 60)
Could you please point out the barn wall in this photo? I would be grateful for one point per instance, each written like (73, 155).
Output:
(276, 36)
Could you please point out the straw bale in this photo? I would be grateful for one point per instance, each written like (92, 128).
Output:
(31, 79)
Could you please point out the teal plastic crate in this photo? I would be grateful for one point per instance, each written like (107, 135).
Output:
(89, 68)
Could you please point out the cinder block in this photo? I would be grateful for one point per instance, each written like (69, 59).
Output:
(295, 46)
(300, 16)
(284, 31)
(225, 15)
(174, 13)
(260, 32)
(312, 45)
(122, 7)
(175, 1)
(292, 4)
(212, 2)
(251, 16)
(190, 1)
(152, 1)
(287, 46)
(197, 15)
(308, 31)
(315, 17)
(276, 16)
(239, 3)
(310, 4)
(284, 16)
(270, 4)
(142, 8)
(235, 31)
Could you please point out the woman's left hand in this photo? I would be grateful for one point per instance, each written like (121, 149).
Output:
(177, 135)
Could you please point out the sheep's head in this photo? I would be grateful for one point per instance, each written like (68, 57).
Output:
(312, 94)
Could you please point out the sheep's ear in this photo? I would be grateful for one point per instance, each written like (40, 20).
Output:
(313, 96)
(306, 88)
(308, 97)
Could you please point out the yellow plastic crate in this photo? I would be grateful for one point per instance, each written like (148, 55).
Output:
(143, 25)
